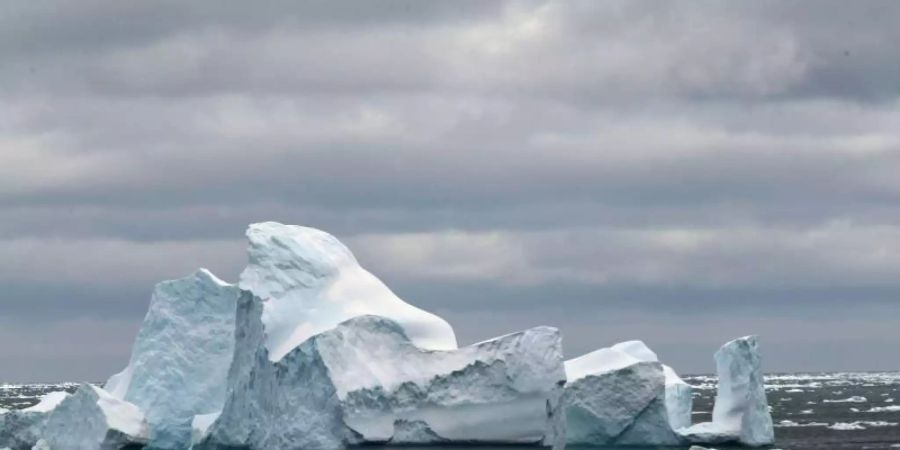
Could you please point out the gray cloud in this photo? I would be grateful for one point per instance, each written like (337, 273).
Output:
(678, 171)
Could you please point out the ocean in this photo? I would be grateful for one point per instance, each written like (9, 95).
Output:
(840, 411)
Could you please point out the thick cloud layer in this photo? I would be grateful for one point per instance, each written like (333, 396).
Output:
(679, 171)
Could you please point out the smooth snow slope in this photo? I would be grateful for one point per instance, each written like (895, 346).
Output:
(310, 282)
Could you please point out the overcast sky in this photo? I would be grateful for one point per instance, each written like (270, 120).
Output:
(680, 172)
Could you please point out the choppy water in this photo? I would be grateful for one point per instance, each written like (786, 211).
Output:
(823, 410)
(812, 411)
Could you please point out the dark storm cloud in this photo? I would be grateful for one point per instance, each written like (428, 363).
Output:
(678, 171)
(576, 51)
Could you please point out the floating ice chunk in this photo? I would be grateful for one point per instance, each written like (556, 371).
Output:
(22, 428)
(709, 433)
(310, 282)
(180, 359)
(844, 426)
(891, 408)
(854, 399)
(94, 419)
(614, 398)
(855, 426)
(741, 412)
(792, 424)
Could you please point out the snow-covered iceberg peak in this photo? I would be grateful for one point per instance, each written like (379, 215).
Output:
(596, 362)
(181, 356)
(310, 282)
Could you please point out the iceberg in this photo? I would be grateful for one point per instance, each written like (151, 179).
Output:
(309, 350)
(741, 411)
(181, 356)
(93, 419)
(615, 398)
(310, 282)
(21, 428)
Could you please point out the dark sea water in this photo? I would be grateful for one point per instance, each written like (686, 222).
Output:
(841, 411)
(823, 410)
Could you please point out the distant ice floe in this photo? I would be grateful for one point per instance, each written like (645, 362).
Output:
(838, 426)
(854, 399)
(877, 409)
(860, 425)
(792, 424)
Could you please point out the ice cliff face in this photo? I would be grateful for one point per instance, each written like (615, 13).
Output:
(92, 419)
(310, 282)
(614, 398)
(289, 403)
(502, 390)
(741, 411)
(180, 359)
(679, 396)
(20, 429)
(741, 396)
